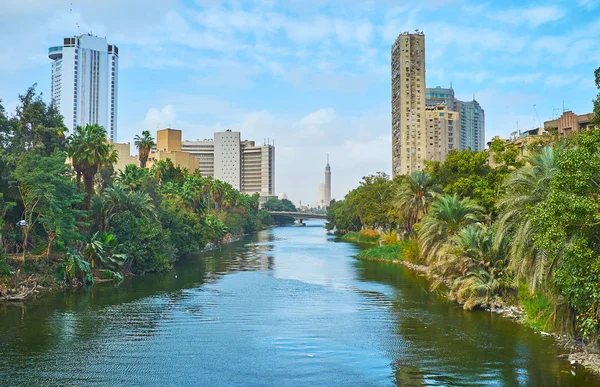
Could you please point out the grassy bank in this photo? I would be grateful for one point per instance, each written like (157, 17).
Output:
(365, 236)
(386, 253)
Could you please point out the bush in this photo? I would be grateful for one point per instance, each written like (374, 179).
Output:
(381, 253)
(389, 238)
(538, 309)
(5, 270)
(144, 242)
(411, 253)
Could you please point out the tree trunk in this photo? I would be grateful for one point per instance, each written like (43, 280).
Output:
(88, 182)
(25, 237)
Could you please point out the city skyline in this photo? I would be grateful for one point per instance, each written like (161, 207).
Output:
(314, 76)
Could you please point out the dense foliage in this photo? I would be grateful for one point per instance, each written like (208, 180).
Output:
(91, 220)
(497, 227)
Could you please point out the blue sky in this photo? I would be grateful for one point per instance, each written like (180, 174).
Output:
(312, 75)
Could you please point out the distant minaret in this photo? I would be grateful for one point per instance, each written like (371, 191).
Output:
(327, 183)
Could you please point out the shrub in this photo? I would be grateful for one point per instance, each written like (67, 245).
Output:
(538, 309)
(389, 237)
(411, 253)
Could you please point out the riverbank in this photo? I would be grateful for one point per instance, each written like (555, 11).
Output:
(40, 274)
(577, 351)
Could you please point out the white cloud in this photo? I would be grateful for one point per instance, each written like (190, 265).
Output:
(165, 117)
(534, 16)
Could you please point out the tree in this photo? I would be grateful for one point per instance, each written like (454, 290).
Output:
(47, 194)
(274, 204)
(567, 227)
(414, 196)
(596, 119)
(523, 190)
(89, 150)
(447, 216)
(144, 144)
(132, 178)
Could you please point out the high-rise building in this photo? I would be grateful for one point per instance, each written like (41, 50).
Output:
(472, 117)
(409, 142)
(472, 125)
(248, 167)
(438, 95)
(85, 82)
(324, 189)
(443, 127)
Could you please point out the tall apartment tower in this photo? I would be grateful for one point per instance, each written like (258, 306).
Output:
(85, 82)
(409, 142)
(472, 125)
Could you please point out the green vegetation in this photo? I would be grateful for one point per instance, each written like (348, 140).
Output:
(274, 204)
(382, 253)
(525, 230)
(80, 220)
(360, 237)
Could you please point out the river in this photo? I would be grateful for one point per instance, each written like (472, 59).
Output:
(288, 306)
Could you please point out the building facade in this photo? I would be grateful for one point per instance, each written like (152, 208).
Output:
(409, 143)
(472, 125)
(169, 146)
(443, 126)
(471, 131)
(85, 76)
(570, 123)
(204, 151)
(248, 167)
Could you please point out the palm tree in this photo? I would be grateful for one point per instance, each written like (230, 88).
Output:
(90, 150)
(115, 200)
(144, 144)
(447, 216)
(414, 198)
(524, 188)
(132, 178)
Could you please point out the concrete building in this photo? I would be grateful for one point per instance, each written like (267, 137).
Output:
(258, 169)
(204, 151)
(409, 142)
(124, 157)
(248, 167)
(85, 75)
(324, 189)
(471, 131)
(228, 158)
(168, 146)
(569, 123)
(443, 126)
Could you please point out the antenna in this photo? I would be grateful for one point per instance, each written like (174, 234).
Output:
(327, 158)
(538, 117)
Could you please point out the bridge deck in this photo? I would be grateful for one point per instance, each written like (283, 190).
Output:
(298, 215)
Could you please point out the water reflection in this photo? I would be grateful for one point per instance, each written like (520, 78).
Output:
(285, 306)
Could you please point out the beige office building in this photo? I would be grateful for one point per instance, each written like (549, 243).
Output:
(124, 157)
(443, 128)
(247, 167)
(168, 146)
(409, 137)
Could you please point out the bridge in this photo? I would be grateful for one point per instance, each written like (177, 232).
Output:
(299, 216)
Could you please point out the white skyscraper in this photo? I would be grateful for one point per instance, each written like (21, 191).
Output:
(85, 82)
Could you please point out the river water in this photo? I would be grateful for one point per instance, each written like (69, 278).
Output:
(289, 306)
